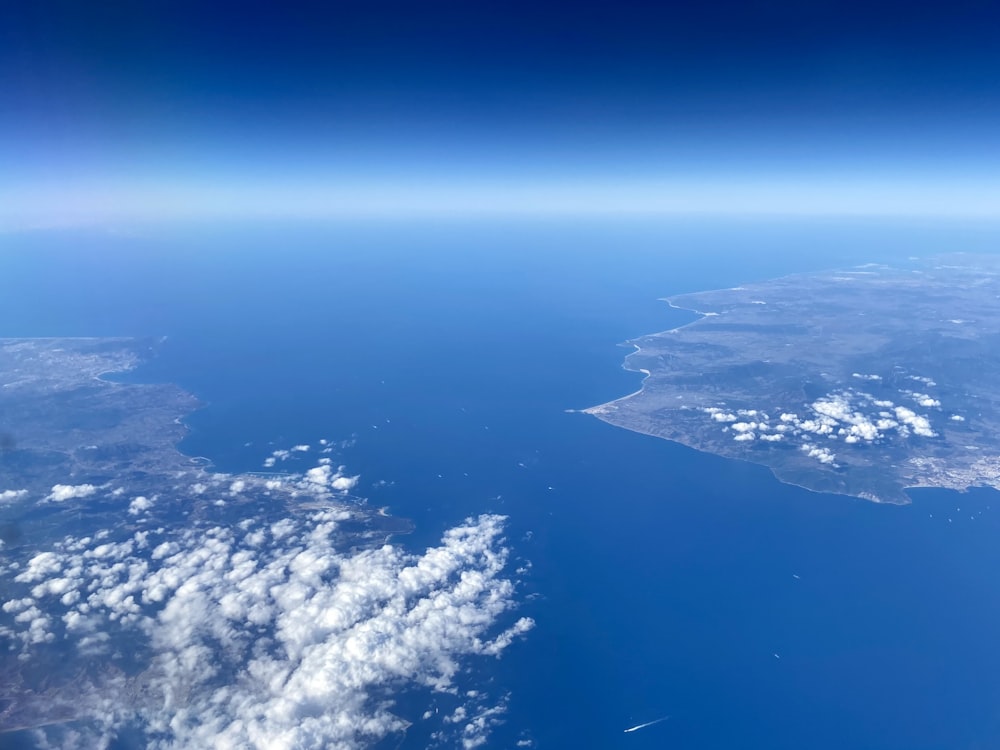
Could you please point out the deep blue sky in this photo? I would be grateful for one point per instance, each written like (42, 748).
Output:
(117, 93)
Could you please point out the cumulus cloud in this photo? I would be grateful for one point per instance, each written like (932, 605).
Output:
(41, 565)
(282, 455)
(344, 484)
(749, 424)
(324, 477)
(822, 455)
(319, 475)
(475, 733)
(922, 399)
(919, 424)
(849, 416)
(851, 423)
(139, 504)
(8, 496)
(62, 492)
(926, 401)
(719, 415)
(846, 415)
(269, 634)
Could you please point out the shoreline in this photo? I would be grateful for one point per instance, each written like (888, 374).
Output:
(638, 349)
(790, 293)
(869, 499)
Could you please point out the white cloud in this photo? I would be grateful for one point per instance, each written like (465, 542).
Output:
(822, 426)
(40, 566)
(314, 631)
(839, 408)
(323, 476)
(922, 399)
(919, 424)
(139, 504)
(345, 484)
(10, 495)
(319, 475)
(822, 455)
(719, 415)
(475, 733)
(846, 416)
(312, 640)
(62, 492)
(283, 455)
(956, 418)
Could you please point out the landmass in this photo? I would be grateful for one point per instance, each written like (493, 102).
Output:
(149, 600)
(74, 426)
(863, 382)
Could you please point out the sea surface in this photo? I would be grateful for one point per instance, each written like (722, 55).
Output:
(664, 582)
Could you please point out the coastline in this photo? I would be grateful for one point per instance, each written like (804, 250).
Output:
(740, 357)
(859, 496)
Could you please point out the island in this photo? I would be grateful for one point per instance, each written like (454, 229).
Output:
(863, 382)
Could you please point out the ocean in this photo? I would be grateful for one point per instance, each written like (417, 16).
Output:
(663, 581)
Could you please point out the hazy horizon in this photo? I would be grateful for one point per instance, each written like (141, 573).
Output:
(173, 111)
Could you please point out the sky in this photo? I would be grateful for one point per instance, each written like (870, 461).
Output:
(191, 109)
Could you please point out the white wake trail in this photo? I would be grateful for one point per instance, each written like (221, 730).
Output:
(637, 727)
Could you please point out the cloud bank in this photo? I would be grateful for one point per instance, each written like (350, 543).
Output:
(261, 634)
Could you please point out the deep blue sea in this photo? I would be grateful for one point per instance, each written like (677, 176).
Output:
(662, 580)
